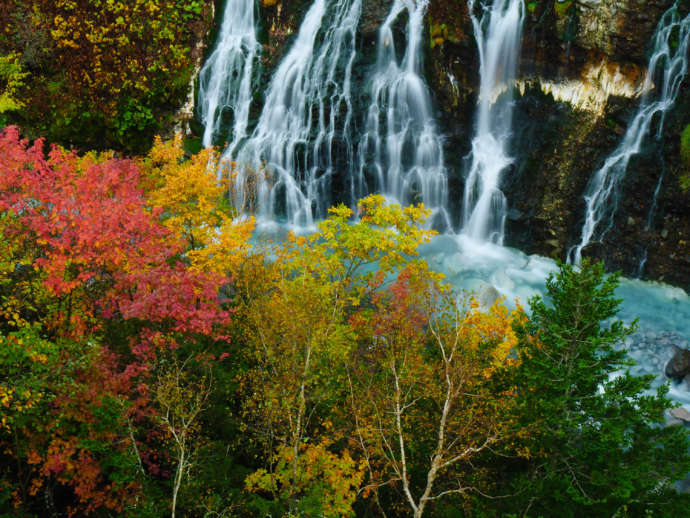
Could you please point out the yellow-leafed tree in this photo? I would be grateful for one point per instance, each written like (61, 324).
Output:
(421, 390)
(299, 341)
(194, 204)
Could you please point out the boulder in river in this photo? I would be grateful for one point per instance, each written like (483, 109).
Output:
(681, 413)
(679, 365)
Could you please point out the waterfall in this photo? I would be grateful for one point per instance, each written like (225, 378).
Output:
(668, 66)
(498, 33)
(400, 146)
(226, 78)
(306, 121)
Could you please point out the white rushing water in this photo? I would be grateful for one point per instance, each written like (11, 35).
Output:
(668, 66)
(290, 157)
(498, 32)
(225, 81)
(400, 146)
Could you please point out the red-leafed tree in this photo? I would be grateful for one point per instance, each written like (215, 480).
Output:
(85, 227)
(84, 255)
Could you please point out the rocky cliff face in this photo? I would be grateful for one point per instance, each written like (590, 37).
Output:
(280, 20)
(581, 75)
(620, 29)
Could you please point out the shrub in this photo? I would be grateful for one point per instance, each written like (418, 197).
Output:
(103, 73)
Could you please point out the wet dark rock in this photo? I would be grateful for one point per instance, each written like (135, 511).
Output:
(514, 214)
(280, 21)
(679, 365)
(686, 382)
(373, 15)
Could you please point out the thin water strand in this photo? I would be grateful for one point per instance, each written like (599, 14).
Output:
(498, 32)
(650, 220)
(306, 120)
(225, 81)
(667, 68)
(400, 147)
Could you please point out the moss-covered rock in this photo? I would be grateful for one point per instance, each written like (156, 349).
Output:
(685, 146)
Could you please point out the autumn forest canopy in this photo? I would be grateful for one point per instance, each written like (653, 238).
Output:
(158, 357)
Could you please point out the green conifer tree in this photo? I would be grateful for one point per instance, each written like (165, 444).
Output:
(592, 433)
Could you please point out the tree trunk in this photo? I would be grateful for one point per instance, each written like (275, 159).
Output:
(178, 480)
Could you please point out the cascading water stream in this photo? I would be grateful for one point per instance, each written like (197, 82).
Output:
(225, 81)
(498, 33)
(400, 146)
(306, 120)
(668, 66)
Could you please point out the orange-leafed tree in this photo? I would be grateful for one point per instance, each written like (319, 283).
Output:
(86, 231)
